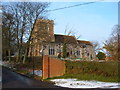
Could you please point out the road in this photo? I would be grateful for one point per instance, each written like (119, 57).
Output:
(11, 79)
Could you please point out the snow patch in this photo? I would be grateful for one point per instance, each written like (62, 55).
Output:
(0, 62)
(74, 83)
(37, 72)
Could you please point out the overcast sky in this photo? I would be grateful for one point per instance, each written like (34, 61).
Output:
(92, 21)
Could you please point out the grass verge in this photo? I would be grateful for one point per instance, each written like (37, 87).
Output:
(87, 77)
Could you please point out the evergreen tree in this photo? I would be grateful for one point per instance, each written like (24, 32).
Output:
(64, 50)
(101, 56)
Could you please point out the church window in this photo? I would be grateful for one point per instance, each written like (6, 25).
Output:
(51, 51)
(84, 46)
(78, 52)
(87, 54)
(91, 56)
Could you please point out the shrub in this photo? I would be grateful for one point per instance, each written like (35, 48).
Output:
(102, 71)
(101, 56)
(104, 68)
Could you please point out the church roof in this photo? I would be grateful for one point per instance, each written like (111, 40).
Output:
(84, 42)
(69, 39)
(65, 38)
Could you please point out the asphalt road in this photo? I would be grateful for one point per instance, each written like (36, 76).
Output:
(11, 79)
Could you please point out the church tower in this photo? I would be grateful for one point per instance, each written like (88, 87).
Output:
(44, 30)
(43, 33)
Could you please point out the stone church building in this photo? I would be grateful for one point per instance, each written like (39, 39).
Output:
(45, 42)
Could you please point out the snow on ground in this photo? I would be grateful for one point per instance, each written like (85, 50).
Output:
(74, 83)
(0, 62)
(37, 72)
(6, 64)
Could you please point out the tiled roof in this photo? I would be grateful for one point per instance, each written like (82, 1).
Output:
(65, 38)
(84, 42)
(69, 39)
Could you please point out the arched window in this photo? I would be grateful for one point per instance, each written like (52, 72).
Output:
(71, 52)
(91, 56)
(87, 54)
(51, 51)
(78, 52)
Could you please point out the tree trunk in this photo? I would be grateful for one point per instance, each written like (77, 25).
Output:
(9, 53)
(21, 47)
(28, 43)
(26, 53)
(18, 55)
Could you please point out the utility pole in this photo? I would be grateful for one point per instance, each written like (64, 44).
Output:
(118, 43)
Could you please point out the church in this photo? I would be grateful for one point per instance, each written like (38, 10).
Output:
(45, 42)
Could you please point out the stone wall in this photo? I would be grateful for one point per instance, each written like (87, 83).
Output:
(86, 53)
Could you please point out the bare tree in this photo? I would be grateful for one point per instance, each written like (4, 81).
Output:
(36, 11)
(112, 45)
(20, 14)
(8, 33)
(69, 32)
(96, 46)
(25, 16)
